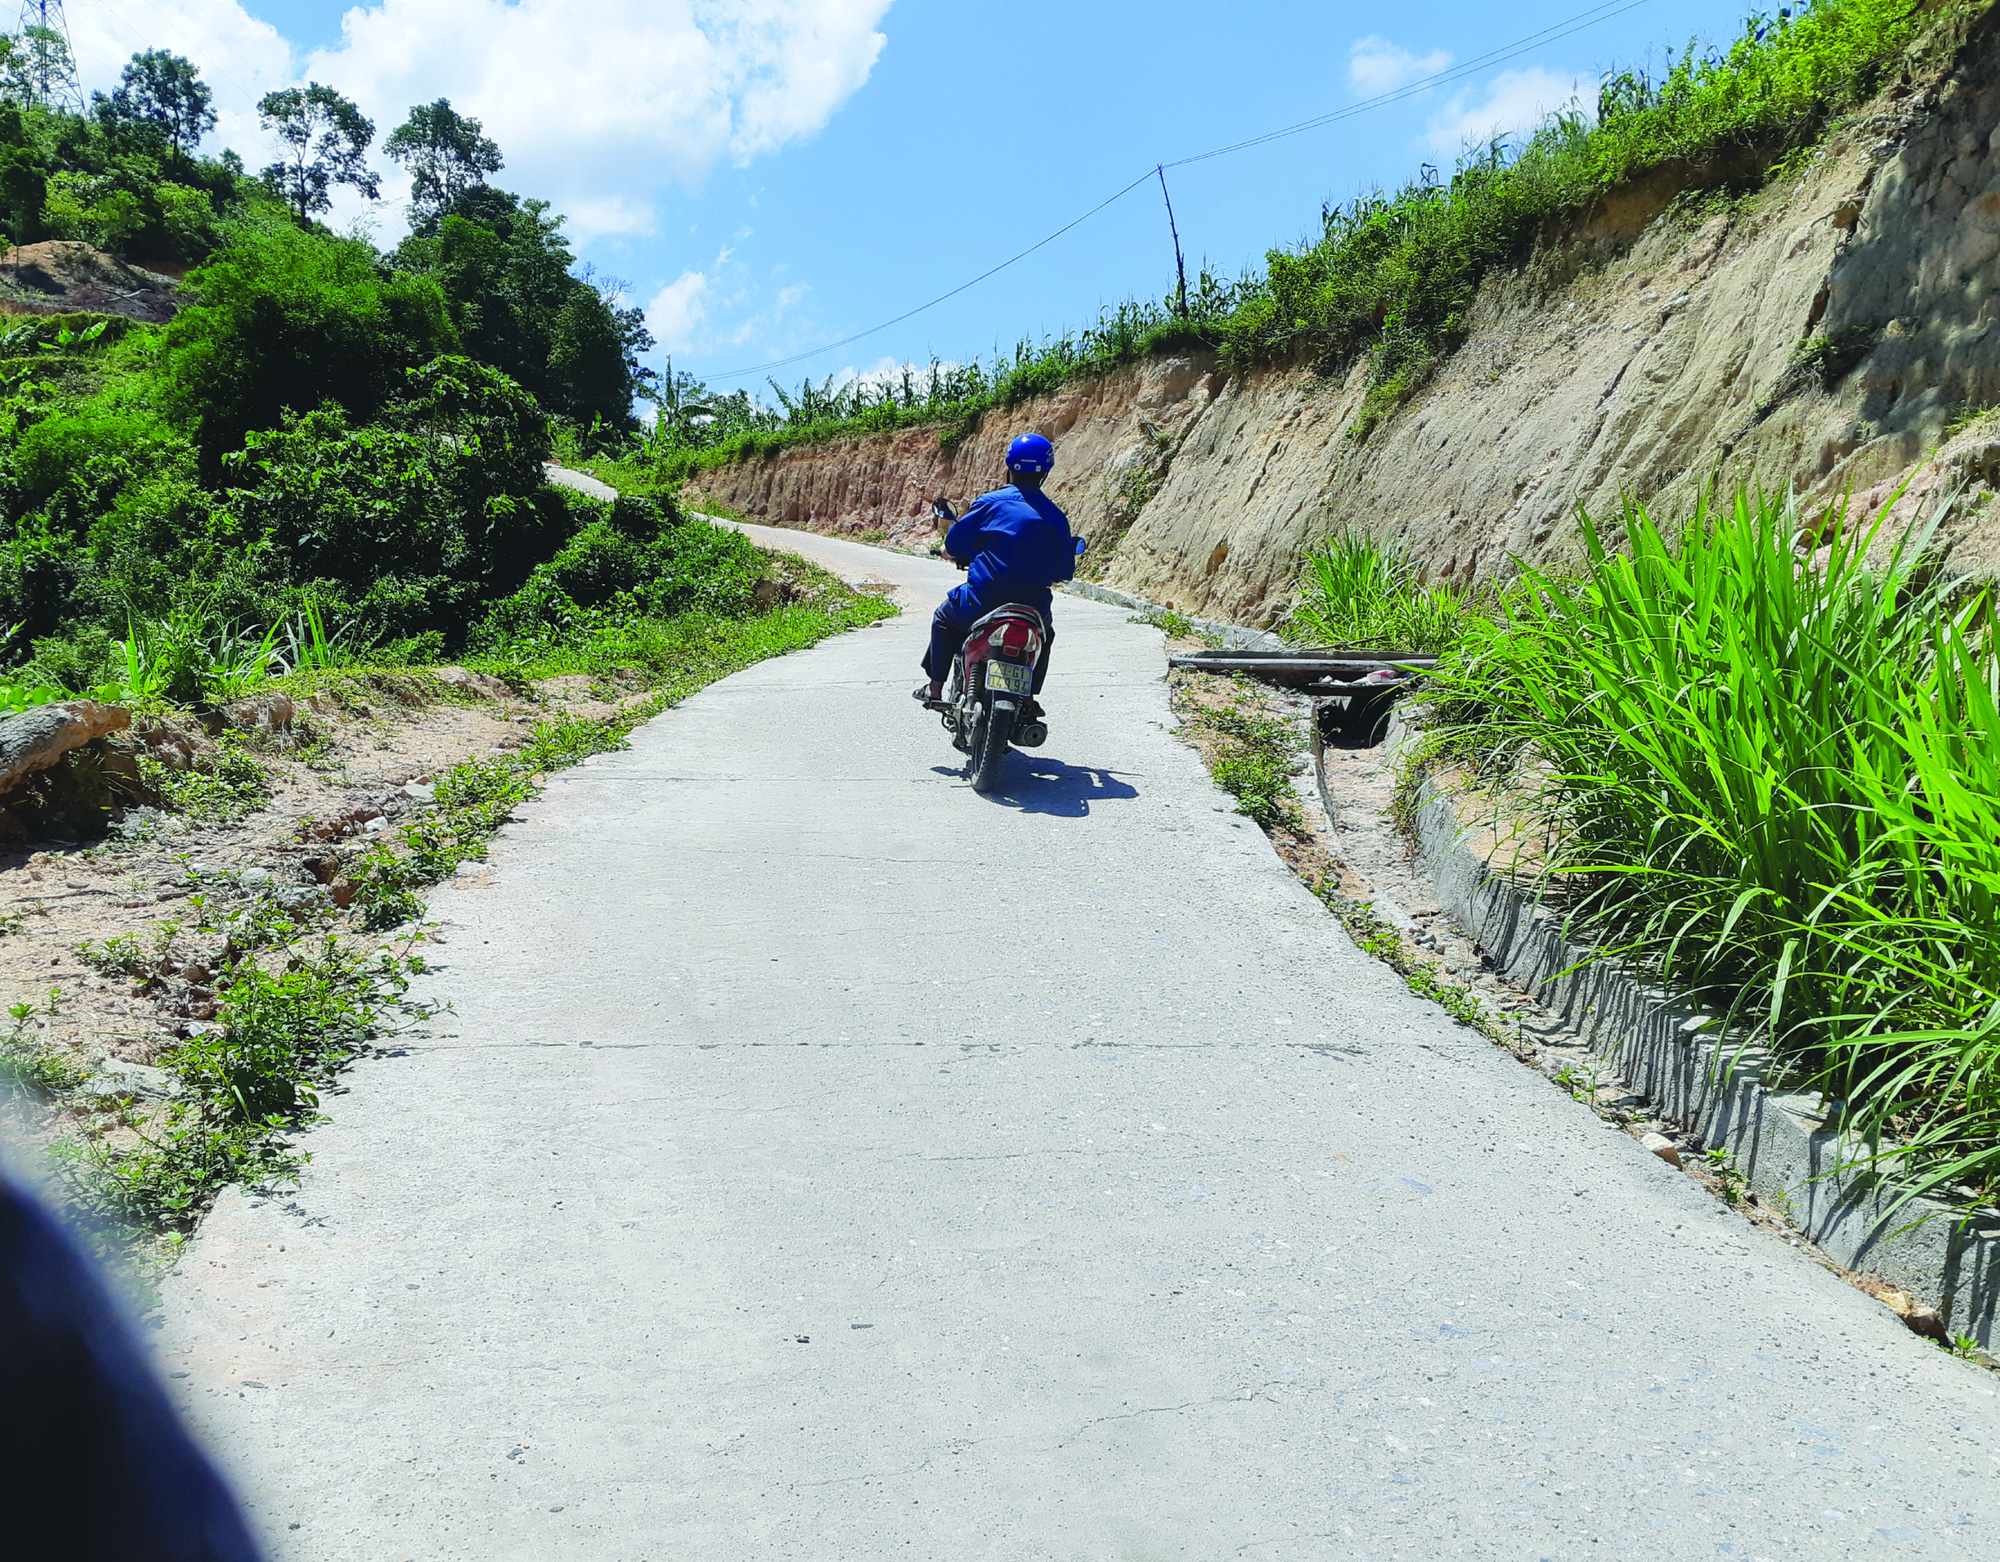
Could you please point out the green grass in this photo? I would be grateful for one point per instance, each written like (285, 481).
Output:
(1778, 784)
(1253, 760)
(1174, 625)
(1382, 941)
(1355, 591)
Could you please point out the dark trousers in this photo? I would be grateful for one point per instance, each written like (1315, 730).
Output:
(948, 633)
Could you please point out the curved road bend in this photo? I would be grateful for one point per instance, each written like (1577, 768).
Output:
(822, 1162)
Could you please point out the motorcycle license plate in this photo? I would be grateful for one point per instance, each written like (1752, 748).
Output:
(1008, 678)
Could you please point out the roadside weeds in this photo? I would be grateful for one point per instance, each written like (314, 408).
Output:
(216, 961)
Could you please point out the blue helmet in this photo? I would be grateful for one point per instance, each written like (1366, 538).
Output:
(1030, 453)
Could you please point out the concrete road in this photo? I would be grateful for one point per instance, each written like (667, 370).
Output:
(821, 1161)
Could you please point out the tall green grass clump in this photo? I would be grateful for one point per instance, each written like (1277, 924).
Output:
(1358, 591)
(1775, 779)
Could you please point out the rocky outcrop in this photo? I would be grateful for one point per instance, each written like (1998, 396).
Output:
(481, 686)
(1833, 334)
(65, 276)
(36, 739)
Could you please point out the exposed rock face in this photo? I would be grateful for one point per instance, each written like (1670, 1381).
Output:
(37, 739)
(58, 276)
(1825, 336)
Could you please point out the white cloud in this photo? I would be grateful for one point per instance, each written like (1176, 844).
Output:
(240, 57)
(1514, 101)
(1374, 64)
(598, 105)
(677, 309)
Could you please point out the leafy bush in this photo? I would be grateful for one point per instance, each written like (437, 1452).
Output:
(413, 524)
(246, 1084)
(285, 321)
(690, 567)
(221, 786)
(598, 563)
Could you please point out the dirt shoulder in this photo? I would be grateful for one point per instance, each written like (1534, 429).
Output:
(111, 951)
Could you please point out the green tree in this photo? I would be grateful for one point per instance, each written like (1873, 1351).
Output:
(35, 65)
(24, 176)
(445, 153)
(505, 270)
(326, 139)
(161, 89)
(288, 318)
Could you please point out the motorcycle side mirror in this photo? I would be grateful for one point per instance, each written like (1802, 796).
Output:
(1081, 546)
(942, 510)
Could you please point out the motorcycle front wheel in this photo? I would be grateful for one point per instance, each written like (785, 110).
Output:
(990, 730)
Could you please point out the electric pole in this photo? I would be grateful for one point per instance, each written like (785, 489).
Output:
(60, 87)
(1180, 266)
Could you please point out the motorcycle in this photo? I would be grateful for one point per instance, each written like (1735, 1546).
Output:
(989, 703)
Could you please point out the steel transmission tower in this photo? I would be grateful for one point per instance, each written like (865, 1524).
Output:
(59, 87)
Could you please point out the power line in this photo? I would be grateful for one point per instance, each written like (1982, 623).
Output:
(61, 86)
(780, 363)
(1553, 33)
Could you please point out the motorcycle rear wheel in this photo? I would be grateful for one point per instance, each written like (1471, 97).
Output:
(990, 731)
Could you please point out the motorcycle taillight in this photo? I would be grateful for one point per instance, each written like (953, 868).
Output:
(1016, 637)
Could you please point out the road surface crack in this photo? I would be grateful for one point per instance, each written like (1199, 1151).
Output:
(1242, 1397)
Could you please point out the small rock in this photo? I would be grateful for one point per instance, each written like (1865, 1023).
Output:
(1663, 1147)
(420, 792)
(117, 1079)
(1925, 1321)
(485, 685)
(268, 712)
(379, 822)
(254, 878)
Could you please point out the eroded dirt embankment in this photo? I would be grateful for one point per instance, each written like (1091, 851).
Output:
(1832, 333)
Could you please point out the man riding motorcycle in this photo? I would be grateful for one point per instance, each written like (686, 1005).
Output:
(1016, 544)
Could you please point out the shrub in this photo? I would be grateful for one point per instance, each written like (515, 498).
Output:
(285, 321)
(409, 525)
(598, 563)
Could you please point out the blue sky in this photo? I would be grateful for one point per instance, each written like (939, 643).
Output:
(768, 176)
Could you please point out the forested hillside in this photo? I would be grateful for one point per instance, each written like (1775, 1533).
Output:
(323, 429)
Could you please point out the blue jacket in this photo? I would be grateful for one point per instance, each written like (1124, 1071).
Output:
(1019, 544)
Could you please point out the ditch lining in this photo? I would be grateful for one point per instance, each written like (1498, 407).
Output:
(1781, 1141)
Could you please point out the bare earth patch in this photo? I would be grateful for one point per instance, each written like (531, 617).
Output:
(109, 949)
